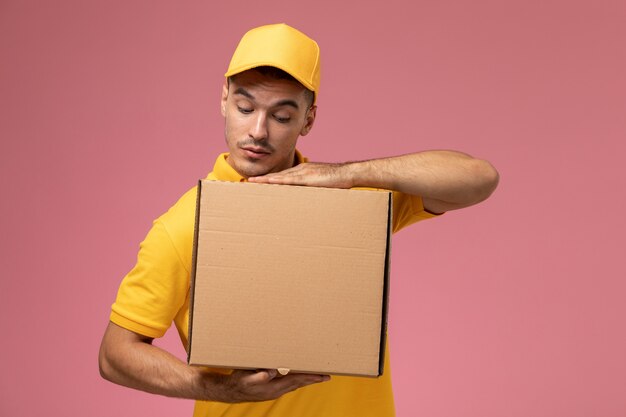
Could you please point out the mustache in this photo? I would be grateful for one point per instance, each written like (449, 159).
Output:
(256, 143)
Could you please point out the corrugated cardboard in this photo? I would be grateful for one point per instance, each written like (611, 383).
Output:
(290, 277)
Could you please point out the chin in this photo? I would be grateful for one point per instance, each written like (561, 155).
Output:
(253, 170)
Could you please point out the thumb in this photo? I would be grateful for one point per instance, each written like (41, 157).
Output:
(262, 377)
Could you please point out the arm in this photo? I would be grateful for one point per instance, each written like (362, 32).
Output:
(446, 180)
(130, 359)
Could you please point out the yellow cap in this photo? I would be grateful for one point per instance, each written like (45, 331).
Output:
(279, 46)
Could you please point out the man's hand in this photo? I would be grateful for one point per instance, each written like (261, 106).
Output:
(247, 386)
(312, 174)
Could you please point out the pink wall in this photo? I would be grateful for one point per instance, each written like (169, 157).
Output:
(516, 307)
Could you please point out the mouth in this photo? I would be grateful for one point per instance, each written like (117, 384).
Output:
(254, 152)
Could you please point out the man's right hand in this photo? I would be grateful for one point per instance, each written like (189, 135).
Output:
(246, 386)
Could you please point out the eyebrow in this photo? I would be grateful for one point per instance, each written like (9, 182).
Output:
(286, 102)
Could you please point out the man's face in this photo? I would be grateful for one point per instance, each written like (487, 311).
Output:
(263, 119)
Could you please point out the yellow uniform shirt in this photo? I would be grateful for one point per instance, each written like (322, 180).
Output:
(155, 293)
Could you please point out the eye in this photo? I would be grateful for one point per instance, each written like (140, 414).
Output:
(244, 110)
(282, 119)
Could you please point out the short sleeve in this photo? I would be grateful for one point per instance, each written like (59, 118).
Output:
(155, 291)
(408, 209)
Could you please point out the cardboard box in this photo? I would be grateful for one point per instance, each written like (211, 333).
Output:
(290, 277)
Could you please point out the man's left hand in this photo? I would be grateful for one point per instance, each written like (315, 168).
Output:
(311, 174)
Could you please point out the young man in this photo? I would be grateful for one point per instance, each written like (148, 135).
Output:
(268, 102)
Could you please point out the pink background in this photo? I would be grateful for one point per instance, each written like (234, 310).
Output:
(109, 111)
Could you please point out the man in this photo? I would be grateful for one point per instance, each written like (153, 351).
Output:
(268, 102)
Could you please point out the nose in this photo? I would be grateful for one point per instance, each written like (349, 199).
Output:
(258, 127)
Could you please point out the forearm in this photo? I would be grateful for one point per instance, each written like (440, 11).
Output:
(446, 180)
(446, 176)
(141, 365)
(129, 359)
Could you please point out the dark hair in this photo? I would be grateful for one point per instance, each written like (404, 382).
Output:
(278, 74)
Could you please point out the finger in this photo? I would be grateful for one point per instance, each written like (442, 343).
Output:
(294, 381)
(278, 179)
(261, 377)
(262, 179)
(303, 379)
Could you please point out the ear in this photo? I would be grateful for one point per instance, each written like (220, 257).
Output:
(310, 119)
(224, 98)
